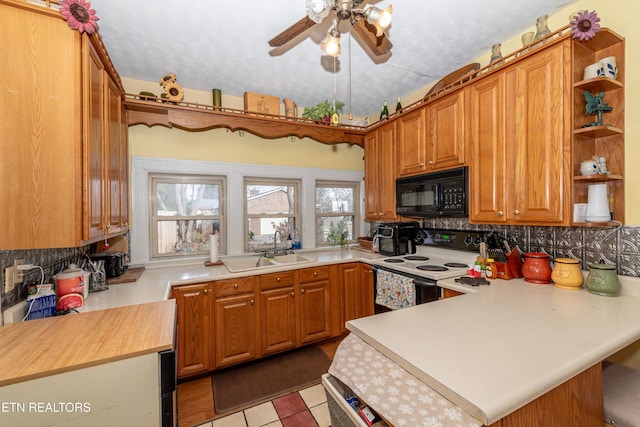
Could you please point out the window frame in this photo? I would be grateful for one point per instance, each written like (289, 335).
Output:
(154, 219)
(275, 182)
(323, 183)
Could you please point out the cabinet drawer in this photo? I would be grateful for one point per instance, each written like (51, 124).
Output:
(275, 280)
(313, 274)
(235, 286)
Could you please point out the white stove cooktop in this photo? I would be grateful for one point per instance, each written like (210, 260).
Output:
(437, 257)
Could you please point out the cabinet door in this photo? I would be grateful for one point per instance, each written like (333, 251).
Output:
(95, 188)
(315, 311)
(113, 167)
(411, 143)
(195, 329)
(235, 326)
(364, 303)
(380, 174)
(446, 140)
(488, 166)
(350, 278)
(278, 319)
(538, 137)
(124, 171)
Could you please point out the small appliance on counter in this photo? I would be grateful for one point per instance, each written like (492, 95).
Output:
(114, 262)
(397, 238)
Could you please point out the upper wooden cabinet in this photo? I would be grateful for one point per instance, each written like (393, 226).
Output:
(63, 134)
(380, 173)
(411, 143)
(447, 131)
(520, 141)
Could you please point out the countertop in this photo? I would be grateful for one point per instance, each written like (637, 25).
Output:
(39, 348)
(156, 282)
(501, 346)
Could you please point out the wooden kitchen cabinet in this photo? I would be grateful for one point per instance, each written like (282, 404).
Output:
(277, 312)
(195, 349)
(446, 138)
(357, 284)
(50, 119)
(520, 147)
(411, 151)
(314, 304)
(106, 150)
(236, 321)
(380, 173)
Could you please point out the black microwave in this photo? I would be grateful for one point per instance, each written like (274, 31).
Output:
(433, 195)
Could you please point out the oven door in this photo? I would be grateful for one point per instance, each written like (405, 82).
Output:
(426, 290)
(416, 197)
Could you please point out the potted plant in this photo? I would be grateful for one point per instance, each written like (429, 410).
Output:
(323, 111)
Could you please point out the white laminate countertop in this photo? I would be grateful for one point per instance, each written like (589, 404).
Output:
(155, 282)
(501, 346)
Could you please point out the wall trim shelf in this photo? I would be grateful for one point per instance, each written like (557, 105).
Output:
(598, 178)
(598, 131)
(199, 117)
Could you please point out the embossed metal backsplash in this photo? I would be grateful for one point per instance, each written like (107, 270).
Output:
(612, 245)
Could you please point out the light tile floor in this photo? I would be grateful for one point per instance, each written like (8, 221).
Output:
(307, 407)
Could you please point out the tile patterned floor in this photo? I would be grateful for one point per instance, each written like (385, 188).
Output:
(304, 408)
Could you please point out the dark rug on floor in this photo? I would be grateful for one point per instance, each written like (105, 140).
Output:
(264, 379)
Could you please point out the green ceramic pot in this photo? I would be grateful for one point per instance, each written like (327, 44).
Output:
(603, 280)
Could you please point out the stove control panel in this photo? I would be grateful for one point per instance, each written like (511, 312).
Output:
(454, 239)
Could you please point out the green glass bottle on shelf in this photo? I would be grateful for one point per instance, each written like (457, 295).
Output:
(385, 112)
(398, 105)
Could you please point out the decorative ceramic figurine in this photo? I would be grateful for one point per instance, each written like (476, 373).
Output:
(541, 27)
(496, 55)
(596, 105)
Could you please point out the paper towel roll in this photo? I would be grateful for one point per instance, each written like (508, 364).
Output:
(213, 257)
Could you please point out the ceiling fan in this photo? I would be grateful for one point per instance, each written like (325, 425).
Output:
(368, 23)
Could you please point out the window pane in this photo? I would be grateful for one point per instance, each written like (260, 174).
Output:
(332, 227)
(185, 236)
(270, 199)
(334, 200)
(187, 199)
(262, 231)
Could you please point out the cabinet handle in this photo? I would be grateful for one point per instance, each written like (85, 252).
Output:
(431, 162)
(235, 286)
(251, 302)
(516, 212)
(500, 213)
(278, 279)
(421, 164)
(315, 274)
(293, 294)
(206, 291)
(302, 291)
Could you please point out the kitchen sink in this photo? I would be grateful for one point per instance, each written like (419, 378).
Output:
(290, 259)
(246, 264)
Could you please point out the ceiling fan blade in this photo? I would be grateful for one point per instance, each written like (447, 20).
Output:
(296, 29)
(367, 32)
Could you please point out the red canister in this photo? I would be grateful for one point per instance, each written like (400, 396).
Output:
(536, 268)
(70, 288)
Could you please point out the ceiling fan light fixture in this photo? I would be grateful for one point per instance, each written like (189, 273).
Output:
(343, 9)
(380, 18)
(331, 45)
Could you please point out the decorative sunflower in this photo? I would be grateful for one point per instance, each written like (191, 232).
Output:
(584, 25)
(168, 78)
(79, 15)
(174, 92)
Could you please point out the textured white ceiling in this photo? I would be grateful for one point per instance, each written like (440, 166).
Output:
(223, 44)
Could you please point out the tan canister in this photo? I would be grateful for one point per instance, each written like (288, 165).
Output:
(566, 274)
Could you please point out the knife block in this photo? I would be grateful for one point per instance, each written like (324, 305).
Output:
(512, 269)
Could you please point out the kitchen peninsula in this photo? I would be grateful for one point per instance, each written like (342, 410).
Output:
(500, 347)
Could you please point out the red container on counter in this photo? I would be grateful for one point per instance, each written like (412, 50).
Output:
(70, 288)
(536, 268)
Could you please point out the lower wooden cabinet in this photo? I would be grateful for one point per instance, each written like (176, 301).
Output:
(195, 329)
(449, 293)
(236, 321)
(277, 312)
(357, 286)
(315, 304)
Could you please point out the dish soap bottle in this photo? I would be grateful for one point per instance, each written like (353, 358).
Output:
(296, 241)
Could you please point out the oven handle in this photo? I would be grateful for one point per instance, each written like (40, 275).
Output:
(429, 284)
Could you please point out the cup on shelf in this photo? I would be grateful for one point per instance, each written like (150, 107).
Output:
(610, 67)
(594, 70)
(589, 168)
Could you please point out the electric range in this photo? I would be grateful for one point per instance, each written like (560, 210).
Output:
(440, 254)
